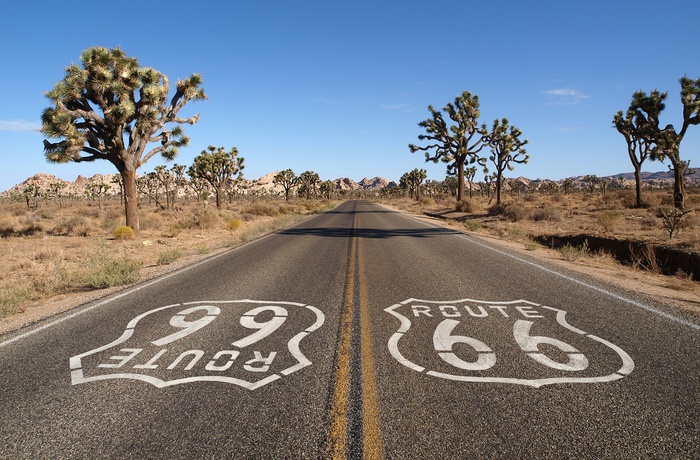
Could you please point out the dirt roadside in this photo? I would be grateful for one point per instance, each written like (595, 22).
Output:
(683, 296)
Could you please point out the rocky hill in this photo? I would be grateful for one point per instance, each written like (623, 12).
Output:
(265, 184)
(45, 183)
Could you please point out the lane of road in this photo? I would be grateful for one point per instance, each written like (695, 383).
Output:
(359, 332)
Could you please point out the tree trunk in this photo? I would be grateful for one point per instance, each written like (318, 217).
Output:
(131, 199)
(678, 186)
(638, 180)
(218, 197)
(499, 180)
(460, 180)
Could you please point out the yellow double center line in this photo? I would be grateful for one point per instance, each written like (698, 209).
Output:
(340, 413)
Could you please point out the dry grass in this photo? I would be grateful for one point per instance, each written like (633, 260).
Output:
(62, 249)
(610, 215)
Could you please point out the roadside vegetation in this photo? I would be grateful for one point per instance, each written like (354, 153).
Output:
(82, 245)
(547, 219)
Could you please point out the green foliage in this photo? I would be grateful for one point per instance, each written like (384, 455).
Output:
(457, 144)
(103, 272)
(111, 108)
(218, 167)
(168, 257)
(412, 181)
(287, 179)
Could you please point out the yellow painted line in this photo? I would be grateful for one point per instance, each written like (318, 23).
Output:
(371, 426)
(337, 437)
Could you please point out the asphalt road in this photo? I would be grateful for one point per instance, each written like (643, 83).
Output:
(357, 333)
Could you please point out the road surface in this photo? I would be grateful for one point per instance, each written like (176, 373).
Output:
(358, 333)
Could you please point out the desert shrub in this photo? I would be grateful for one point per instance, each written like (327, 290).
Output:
(8, 225)
(50, 276)
(11, 300)
(114, 212)
(626, 198)
(468, 205)
(510, 211)
(207, 219)
(150, 221)
(123, 232)
(90, 210)
(572, 253)
(75, 225)
(472, 225)
(108, 223)
(168, 257)
(234, 224)
(530, 244)
(546, 213)
(607, 220)
(426, 201)
(174, 230)
(673, 220)
(259, 208)
(103, 272)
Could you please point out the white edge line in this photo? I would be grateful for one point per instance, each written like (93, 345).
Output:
(124, 293)
(648, 308)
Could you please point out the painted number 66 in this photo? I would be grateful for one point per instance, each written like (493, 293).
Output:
(444, 341)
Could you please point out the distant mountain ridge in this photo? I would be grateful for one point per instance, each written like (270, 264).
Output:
(247, 186)
(266, 182)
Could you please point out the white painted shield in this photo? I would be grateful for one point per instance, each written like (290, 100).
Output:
(244, 342)
(517, 342)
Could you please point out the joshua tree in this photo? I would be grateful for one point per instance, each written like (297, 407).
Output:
(506, 148)
(412, 180)
(457, 144)
(637, 131)
(667, 141)
(287, 179)
(111, 108)
(326, 188)
(217, 166)
(308, 181)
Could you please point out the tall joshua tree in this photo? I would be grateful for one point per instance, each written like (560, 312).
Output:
(458, 143)
(667, 141)
(506, 148)
(110, 108)
(637, 131)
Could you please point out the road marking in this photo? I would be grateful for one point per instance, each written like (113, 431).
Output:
(125, 292)
(648, 308)
(371, 426)
(560, 360)
(249, 362)
(340, 410)
(337, 436)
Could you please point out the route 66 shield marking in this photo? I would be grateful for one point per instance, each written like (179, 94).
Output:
(244, 342)
(517, 342)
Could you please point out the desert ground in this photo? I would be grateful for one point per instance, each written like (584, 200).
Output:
(59, 255)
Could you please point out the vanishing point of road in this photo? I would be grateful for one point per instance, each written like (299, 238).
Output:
(358, 333)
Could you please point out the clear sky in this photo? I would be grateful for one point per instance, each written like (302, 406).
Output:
(338, 87)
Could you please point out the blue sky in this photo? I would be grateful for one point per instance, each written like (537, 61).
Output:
(338, 87)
